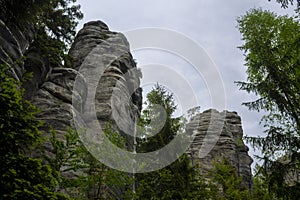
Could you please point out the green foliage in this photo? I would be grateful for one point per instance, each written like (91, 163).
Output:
(201, 188)
(90, 178)
(17, 11)
(179, 180)
(261, 185)
(22, 176)
(158, 96)
(272, 49)
(54, 22)
(227, 179)
(286, 3)
(272, 57)
(266, 186)
(55, 29)
(58, 17)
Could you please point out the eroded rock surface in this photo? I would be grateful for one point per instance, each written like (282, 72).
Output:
(103, 81)
(107, 86)
(103, 58)
(223, 130)
(14, 43)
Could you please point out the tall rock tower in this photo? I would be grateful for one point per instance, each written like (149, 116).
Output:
(224, 130)
(103, 58)
(101, 80)
(91, 52)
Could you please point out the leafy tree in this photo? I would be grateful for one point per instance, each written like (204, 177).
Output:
(83, 176)
(158, 96)
(53, 23)
(261, 185)
(201, 187)
(21, 176)
(272, 50)
(179, 180)
(55, 27)
(57, 17)
(286, 3)
(225, 176)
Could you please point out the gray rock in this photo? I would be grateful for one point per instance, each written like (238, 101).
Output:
(54, 98)
(226, 129)
(13, 44)
(104, 59)
(106, 74)
(16, 43)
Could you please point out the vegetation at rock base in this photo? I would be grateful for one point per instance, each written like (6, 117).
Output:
(181, 179)
(83, 176)
(21, 176)
(226, 179)
(271, 47)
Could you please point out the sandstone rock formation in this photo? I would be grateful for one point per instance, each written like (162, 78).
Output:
(224, 131)
(53, 95)
(104, 59)
(96, 50)
(106, 80)
(14, 43)
(17, 42)
(106, 75)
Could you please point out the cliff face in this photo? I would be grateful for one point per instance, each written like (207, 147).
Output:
(51, 88)
(229, 143)
(16, 43)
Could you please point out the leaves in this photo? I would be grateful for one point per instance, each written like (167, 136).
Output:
(272, 58)
(179, 180)
(272, 48)
(286, 3)
(22, 177)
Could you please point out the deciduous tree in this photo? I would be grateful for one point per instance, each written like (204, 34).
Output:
(272, 48)
(21, 176)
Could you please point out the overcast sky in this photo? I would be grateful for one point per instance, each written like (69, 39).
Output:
(210, 23)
